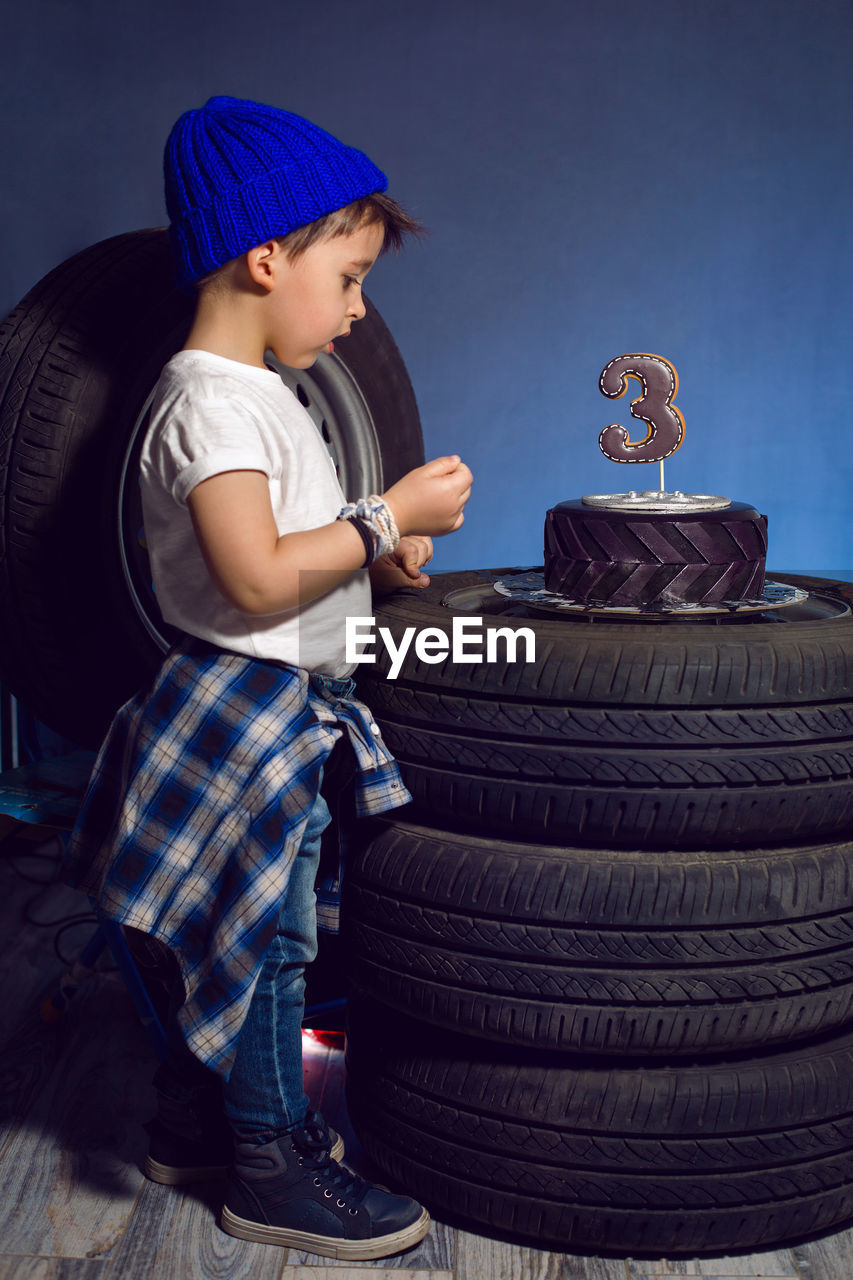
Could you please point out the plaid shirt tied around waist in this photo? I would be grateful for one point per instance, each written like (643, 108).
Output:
(196, 809)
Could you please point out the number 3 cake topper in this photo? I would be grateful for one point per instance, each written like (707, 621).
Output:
(665, 424)
(664, 434)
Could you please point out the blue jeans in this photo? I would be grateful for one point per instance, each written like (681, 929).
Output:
(265, 1095)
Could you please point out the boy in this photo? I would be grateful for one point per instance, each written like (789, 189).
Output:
(202, 824)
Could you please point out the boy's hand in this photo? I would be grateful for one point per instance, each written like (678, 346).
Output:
(402, 567)
(430, 499)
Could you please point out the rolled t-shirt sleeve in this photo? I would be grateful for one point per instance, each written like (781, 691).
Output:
(204, 439)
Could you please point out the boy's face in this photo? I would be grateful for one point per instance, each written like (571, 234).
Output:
(316, 297)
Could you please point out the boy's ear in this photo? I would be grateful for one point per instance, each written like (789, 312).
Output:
(262, 261)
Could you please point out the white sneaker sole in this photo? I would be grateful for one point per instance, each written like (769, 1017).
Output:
(326, 1246)
(170, 1175)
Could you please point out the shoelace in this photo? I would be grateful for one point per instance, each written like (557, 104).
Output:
(313, 1144)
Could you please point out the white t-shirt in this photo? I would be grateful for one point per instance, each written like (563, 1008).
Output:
(209, 415)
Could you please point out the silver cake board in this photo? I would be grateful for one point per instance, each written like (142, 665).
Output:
(528, 587)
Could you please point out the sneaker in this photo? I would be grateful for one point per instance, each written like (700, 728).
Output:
(292, 1192)
(189, 1137)
(177, 1158)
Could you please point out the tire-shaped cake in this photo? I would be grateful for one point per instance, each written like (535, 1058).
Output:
(615, 557)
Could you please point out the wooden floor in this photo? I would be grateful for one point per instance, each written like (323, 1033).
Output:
(73, 1098)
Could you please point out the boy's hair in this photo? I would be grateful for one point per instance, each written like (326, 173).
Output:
(370, 210)
(239, 173)
(377, 209)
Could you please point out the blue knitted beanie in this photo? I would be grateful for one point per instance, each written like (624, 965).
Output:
(238, 173)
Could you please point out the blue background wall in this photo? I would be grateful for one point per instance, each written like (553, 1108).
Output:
(597, 178)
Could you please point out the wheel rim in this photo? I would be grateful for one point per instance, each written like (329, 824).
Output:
(340, 413)
(481, 598)
(336, 406)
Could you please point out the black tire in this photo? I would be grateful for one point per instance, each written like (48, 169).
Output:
(730, 730)
(717, 1156)
(662, 954)
(79, 358)
(791, 657)
(623, 796)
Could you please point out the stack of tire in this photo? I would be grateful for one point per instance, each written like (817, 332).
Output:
(606, 958)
